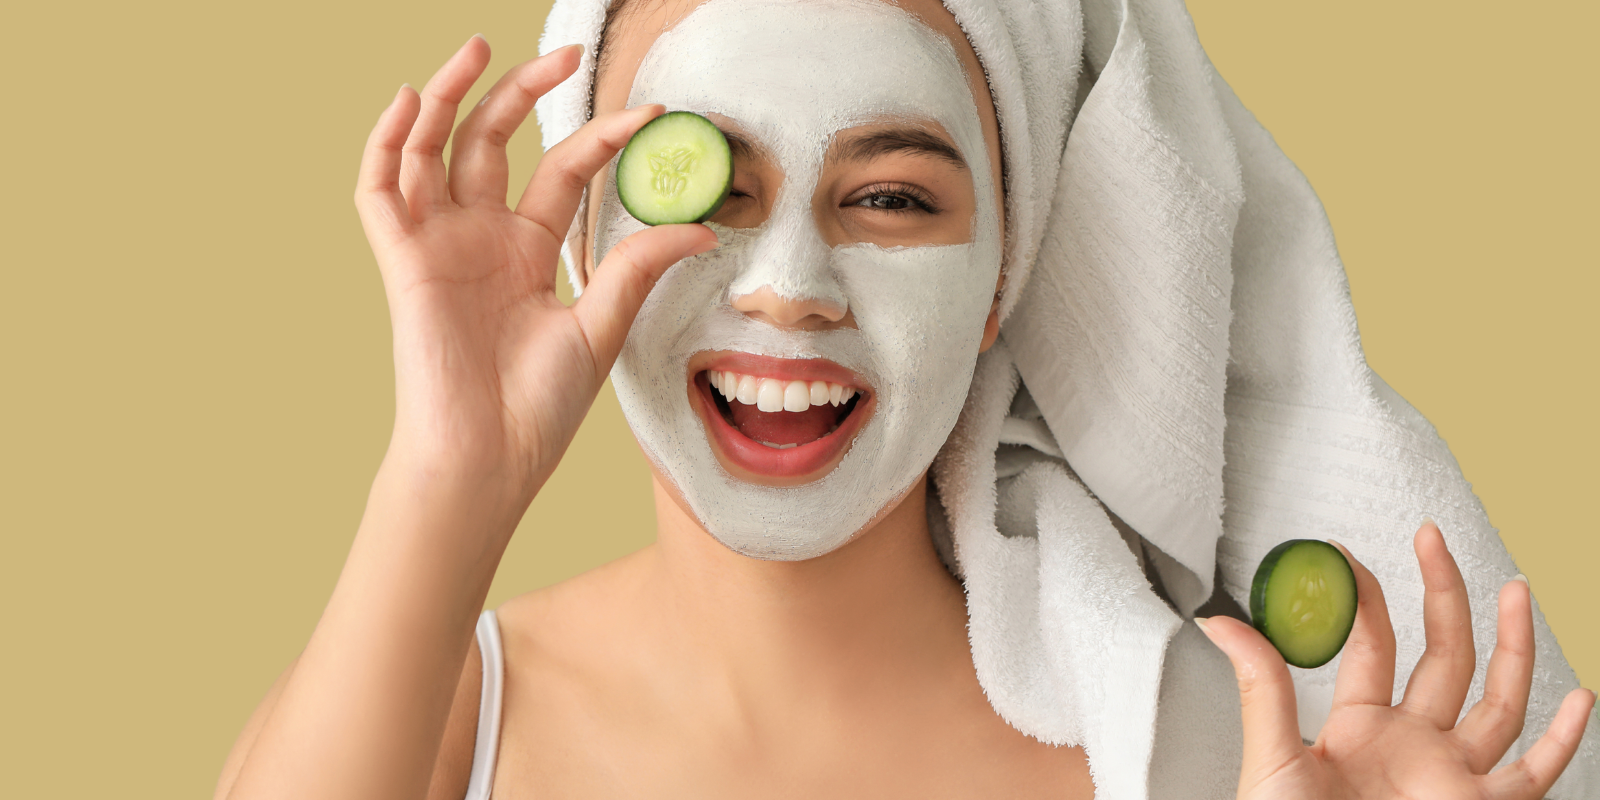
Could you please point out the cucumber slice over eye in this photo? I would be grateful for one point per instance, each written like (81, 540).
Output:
(1303, 599)
(677, 168)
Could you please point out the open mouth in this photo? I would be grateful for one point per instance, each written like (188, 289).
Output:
(778, 418)
(781, 414)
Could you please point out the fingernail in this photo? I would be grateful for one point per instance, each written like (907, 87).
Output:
(1201, 623)
(1427, 519)
(405, 86)
(705, 247)
(480, 36)
(1521, 577)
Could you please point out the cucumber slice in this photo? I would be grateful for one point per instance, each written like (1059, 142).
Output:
(677, 168)
(1303, 599)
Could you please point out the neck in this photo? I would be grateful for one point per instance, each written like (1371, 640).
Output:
(882, 605)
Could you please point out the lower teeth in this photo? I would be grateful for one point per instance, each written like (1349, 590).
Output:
(780, 446)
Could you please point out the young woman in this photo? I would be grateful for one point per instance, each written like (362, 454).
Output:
(796, 629)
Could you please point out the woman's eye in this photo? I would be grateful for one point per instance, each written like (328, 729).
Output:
(887, 202)
(896, 198)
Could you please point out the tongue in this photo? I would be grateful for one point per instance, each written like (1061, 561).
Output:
(784, 427)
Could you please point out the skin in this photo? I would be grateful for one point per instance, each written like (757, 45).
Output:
(686, 669)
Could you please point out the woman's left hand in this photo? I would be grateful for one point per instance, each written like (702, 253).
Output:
(1372, 748)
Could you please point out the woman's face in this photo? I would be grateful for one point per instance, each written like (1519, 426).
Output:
(793, 384)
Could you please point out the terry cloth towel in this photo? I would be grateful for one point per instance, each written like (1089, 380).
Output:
(1183, 372)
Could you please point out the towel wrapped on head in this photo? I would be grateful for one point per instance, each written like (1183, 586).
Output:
(1179, 387)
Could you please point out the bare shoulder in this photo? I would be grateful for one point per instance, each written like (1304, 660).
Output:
(541, 631)
(572, 621)
(574, 658)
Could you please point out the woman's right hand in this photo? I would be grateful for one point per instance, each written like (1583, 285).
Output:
(493, 373)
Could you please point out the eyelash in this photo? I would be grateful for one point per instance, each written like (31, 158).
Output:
(920, 201)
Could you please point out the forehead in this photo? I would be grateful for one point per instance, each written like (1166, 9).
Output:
(635, 25)
(833, 64)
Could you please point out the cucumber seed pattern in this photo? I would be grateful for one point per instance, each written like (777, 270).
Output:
(676, 169)
(670, 168)
(1311, 602)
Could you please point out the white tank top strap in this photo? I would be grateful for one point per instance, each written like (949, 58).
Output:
(487, 748)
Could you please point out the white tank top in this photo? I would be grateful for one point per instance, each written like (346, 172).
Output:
(487, 748)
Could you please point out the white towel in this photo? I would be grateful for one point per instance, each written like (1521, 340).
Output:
(1187, 344)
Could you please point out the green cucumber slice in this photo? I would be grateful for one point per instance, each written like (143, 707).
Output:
(1303, 599)
(677, 168)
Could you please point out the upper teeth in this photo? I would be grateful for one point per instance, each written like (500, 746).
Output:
(771, 394)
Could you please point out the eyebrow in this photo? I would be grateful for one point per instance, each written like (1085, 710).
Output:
(739, 145)
(912, 141)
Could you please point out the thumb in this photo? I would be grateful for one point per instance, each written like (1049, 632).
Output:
(620, 284)
(1266, 696)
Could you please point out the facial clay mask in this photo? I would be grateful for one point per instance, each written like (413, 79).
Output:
(792, 75)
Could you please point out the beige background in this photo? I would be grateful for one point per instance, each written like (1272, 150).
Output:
(195, 384)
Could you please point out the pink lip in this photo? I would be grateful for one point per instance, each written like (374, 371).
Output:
(791, 466)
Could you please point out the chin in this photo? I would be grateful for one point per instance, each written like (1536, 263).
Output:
(763, 549)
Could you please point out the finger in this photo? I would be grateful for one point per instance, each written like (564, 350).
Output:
(1266, 693)
(1496, 720)
(422, 172)
(478, 166)
(378, 199)
(1366, 669)
(1530, 777)
(1438, 686)
(552, 195)
(613, 297)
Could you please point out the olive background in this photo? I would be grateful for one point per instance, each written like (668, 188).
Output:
(196, 385)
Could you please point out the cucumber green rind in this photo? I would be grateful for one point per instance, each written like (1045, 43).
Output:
(677, 168)
(1303, 599)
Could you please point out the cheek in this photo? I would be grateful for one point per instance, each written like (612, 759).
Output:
(923, 308)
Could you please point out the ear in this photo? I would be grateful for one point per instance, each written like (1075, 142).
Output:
(991, 329)
(991, 326)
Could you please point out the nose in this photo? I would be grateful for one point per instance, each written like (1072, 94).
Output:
(788, 280)
(805, 312)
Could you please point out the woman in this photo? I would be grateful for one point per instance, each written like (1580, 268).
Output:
(796, 629)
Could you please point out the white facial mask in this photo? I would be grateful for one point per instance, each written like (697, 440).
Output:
(793, 74)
